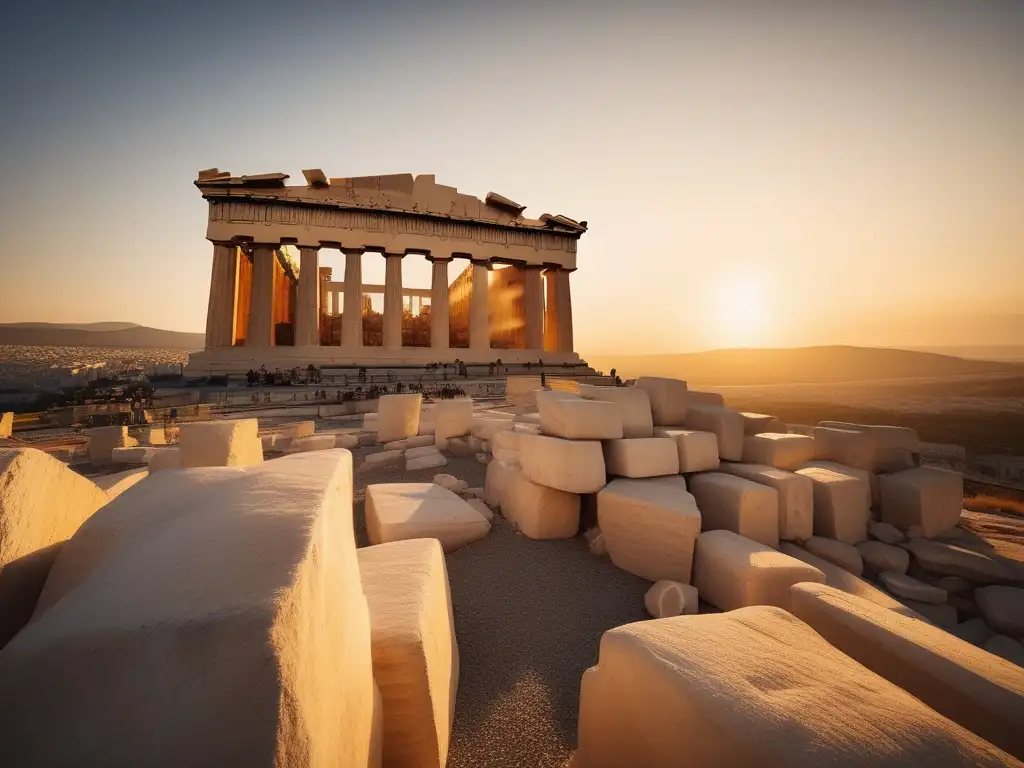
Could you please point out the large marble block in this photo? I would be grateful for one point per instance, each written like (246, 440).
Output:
(299, 429)
(453, 418)
(698, 451)
(641, 457)
(726, 423)
(103, 440)
(499, 474)
(868, 479)
(796, 497)
(735, 504)
(415, 652)
(753, 687)
(574, 466)
(782, 451)
(6, 423)
(668, 399)
(845, 446)
(634, 406)
(578, 419)
(538, 511)
(487, 427)
(953, 677)
(398, 417)
(759, 423)
(731, 571)
(896, 448)
(42, 504)
(229, 443)
(649, 527)
(926, 497)
(841, 508)
(208, 617)
(399, 511)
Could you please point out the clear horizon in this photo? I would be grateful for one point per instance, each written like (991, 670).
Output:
(780, 177)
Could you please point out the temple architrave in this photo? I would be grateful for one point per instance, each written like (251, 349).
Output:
(512, 301)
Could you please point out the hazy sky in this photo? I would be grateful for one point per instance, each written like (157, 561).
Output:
(760, 173)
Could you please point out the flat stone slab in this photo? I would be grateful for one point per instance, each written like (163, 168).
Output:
(415, 653)
(312, 443)
(734, 504)
(951, 676)
(540, 512)
(633, 403)
(841, 508)
(668, 398)
(949, 559)
(758, 423)
(42, 505)
(453, 418)
(926, 497)
(1003, 608)
(779, 450)
(698, 451)
(578, 419)
(650, 527)
(641, 457)
(878, 557)
(884, 532)
(753, 687)
(400, 511)
(902, 585)
(382, 458)
(398, 417)
(846, 556)
(726, 423)
(425, 461)
(573, 466)
(299, 429)
(796, 496)
(486, 427)
(227, 443)
(732, 571)
(211, 616)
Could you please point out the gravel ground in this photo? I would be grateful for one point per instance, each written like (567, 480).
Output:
(529, 617)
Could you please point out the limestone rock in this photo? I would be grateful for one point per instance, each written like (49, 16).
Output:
(907, 586)
(396, 445)
(400, 511)
(869, 480)
(208, 617)
(398, 417)
(949, 675)
(759, 423)
(165, 458)
(229, 443)
(846, 556)
(103, 440)
(879, 557)
(425, 461)
(6, 423)
(381, 459)
(884, 532)
(896, 448)
(843, 580)
(732, 571)
(1003, 608)
(42, 504)
(453, 418)
(753, 687)
(324, 442)
(137, 454)
(498, 476)
(425, 450)
(974, 631)
(415, 653)
(726, 423)
(951, 560)
(668, 399)
(698, 451)
(641, 457)
(782, 451)
(1006, 648)
(796, 496)
(670, 598)
(734, 504)
(633, 403)
(573, 466)
(299, 429)
(841, 509)
(540, 512)
(119, 482)
(578, 419)
(928, 497)
(650, 527)
(845, 446)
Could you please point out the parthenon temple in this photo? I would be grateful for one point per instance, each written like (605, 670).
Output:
(511, 301)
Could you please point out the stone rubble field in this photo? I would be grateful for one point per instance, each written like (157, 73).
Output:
(612, 576)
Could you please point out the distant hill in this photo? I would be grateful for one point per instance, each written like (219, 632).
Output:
(804, 365)
(110, 334)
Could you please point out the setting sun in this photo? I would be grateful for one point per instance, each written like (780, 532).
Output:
(741, 310)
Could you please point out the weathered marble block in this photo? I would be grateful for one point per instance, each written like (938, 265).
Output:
(398, 417)
(668, 399)
(229, 443)
(453, 418)
(578, 419)
(540, 512)
(698, 451)
(574, 466)
(641, 457)
(782, 451)
(400, 511)
(735, 504)
(758, 423)
(103, 440)
(841, 508)
(926, 497)
(845, 446)
(496, 481)
(634, 404)
(726, 423)
(796, 497)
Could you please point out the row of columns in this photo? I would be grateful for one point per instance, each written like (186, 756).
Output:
(544, 329)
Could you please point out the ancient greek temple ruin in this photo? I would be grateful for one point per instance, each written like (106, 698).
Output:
(511, 301)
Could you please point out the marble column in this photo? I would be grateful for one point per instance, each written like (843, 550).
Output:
(352, 322)
(439, 308)
(307, 299)
(564, 312)
(551, 310)
(220, 315)
(533, 308)
(261, 307)
(479, 308)
(393, 300)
